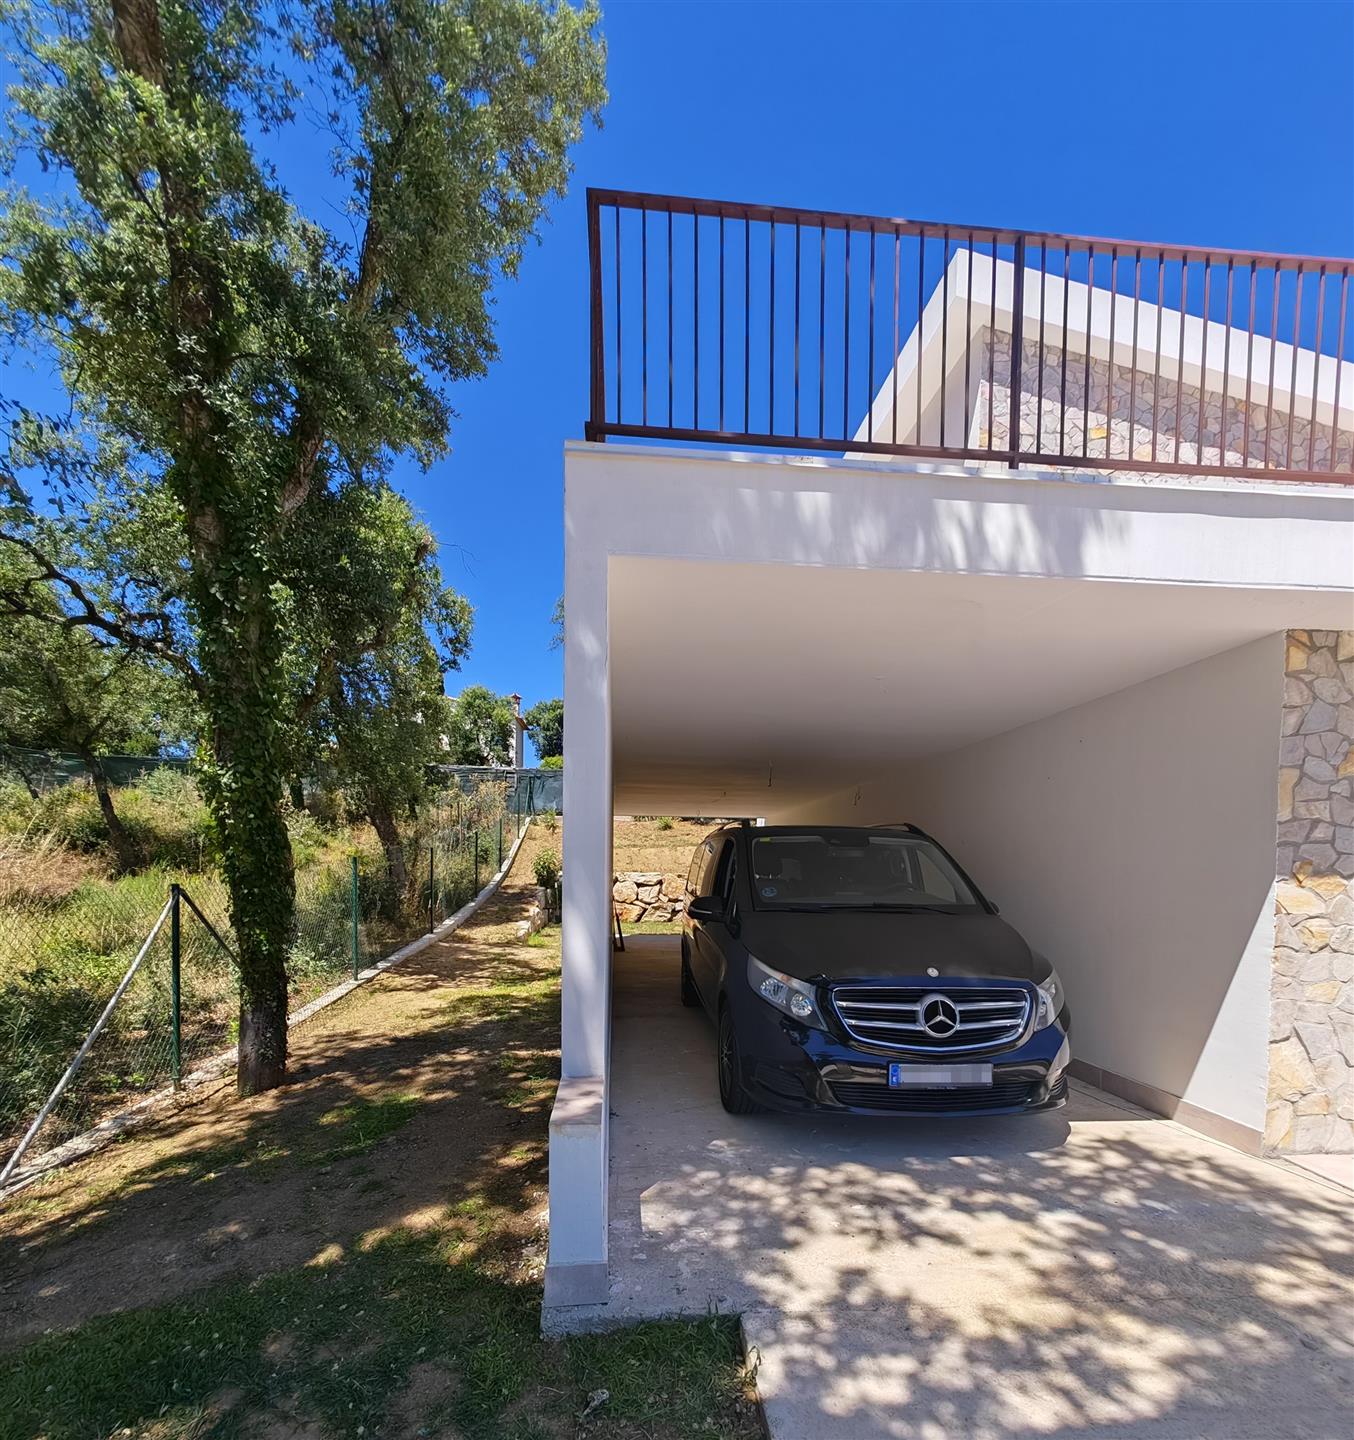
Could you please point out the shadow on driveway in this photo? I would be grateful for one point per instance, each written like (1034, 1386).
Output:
(1094, 1271)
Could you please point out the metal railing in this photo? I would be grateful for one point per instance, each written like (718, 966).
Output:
(719, 322)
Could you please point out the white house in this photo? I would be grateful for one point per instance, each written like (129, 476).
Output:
(1109, 659)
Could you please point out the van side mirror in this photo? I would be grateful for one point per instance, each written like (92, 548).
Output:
(709, 908)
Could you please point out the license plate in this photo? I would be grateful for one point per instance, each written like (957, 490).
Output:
(939, 1077)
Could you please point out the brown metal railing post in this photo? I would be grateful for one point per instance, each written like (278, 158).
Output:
(1017, 346)
(597, 377)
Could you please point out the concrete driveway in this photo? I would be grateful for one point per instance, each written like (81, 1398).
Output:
(1095, 1271)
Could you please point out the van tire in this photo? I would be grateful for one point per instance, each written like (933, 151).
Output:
(732, 1093)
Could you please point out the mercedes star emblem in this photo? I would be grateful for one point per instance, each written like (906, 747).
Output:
(939, 1016)
(932, 971)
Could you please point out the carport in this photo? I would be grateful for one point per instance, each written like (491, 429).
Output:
(1079, 688)
(1125, 702)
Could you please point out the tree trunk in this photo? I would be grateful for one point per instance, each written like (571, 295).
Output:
(244, 781)
(230, 523)
(383, 822)
(124, 847)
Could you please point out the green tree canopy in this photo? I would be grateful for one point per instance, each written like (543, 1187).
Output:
(545, 725)
(242, 363)
(480, 730)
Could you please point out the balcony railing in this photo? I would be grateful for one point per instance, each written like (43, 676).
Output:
(855, 334)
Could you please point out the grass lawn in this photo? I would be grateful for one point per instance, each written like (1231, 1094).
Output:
(651, 927)
(356, 1255)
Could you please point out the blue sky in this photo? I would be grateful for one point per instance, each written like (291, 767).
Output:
(1212, 124)
(1209, 124)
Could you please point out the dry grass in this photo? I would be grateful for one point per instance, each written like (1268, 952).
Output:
(641, 845)
(40, 871)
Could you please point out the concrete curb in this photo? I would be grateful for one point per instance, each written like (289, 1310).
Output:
(148, 1108)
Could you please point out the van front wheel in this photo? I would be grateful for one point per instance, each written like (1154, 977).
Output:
(733, 1094)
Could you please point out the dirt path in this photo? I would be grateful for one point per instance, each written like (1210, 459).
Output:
(384, 1125)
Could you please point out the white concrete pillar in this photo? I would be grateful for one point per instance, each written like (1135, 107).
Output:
(576, 1272)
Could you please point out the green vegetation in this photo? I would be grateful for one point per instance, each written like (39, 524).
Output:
(71, 921)
(545, 725)
(211, 492)
(419, 1329)
(424, 1323)
(479, 730)
(547, 868)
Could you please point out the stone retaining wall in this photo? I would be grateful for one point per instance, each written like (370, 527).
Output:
(1311, 1054)
(648, 895)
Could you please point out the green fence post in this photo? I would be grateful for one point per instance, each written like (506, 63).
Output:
(477, 861)
(175, 985)
(353, 908)
(500, 842)
(432, 889)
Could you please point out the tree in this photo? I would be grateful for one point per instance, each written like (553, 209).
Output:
(545, 725)
(61, 691)
(480, 729)
(241, 358)
(61, 688)
(379, 726)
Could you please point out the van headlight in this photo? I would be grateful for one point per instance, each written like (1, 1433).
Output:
(796, 998)
(1050, 1000)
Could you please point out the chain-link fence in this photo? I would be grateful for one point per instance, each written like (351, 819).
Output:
(66, 949)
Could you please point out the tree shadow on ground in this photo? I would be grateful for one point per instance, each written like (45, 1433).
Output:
(409, 1094)
(1117, 1275)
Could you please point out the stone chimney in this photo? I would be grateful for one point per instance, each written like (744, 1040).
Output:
(519, 729)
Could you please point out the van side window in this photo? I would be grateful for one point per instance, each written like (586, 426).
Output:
(730, 874)
(723, 881)
(693, 875)
(704, 867)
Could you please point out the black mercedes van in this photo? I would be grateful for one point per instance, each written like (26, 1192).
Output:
(861, 971)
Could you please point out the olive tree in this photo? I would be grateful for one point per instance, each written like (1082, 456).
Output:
(244, 358)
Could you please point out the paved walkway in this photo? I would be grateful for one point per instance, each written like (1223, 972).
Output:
(1094, 1271)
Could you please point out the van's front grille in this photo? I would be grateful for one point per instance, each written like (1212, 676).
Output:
(932, 1019)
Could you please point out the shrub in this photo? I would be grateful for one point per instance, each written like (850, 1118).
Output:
(550, 818)
(163, 814)
(665, 822)
(305, 833)
(547, 869)
(551, 762)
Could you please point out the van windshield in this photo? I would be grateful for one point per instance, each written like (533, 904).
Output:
(875, 872)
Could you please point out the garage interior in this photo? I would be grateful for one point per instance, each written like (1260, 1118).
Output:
(1100, 757)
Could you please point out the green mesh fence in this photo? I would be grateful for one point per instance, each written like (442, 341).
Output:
(63, 953)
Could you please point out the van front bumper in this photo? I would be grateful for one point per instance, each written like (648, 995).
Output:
(792, 1067)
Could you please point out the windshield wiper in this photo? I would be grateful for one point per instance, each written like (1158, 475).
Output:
(862, 905)
(909, 909)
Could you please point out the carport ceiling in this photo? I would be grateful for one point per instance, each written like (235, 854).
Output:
(742, 689)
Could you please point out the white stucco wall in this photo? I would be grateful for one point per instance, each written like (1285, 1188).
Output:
(1131, 840)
